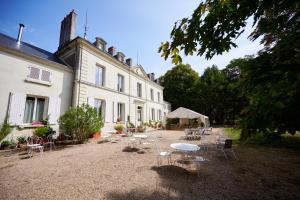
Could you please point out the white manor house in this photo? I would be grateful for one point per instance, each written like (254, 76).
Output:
(36, 84)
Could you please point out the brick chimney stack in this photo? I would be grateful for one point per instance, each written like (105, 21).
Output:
(67, 29)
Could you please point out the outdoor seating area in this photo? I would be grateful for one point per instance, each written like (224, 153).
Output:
(156, 164)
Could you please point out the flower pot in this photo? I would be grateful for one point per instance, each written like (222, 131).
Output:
(119, 131)
(97, 135)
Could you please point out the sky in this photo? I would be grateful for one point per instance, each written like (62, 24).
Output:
(134, 27)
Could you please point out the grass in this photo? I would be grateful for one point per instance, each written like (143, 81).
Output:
(286, 140)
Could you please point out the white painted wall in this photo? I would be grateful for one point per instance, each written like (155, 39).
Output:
(14, 71)
(90, 59)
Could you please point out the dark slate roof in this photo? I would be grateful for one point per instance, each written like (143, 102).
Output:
(28, 49)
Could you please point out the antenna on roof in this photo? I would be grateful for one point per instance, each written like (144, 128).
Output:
(85, 25)
(137, 58)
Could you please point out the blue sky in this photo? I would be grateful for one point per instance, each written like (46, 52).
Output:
(132, 26)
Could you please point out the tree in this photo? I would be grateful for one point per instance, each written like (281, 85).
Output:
(270, 81)
(179, 85)
(215, 24)
(212, 90)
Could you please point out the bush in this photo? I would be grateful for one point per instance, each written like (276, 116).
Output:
(6, 143)
(119, 127)
(21, 139)
(80, 122)
(172, 121)
(43, 131)
(131, 125)
(5, 129)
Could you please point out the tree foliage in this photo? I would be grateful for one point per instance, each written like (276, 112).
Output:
(215, 24)
(179, 83)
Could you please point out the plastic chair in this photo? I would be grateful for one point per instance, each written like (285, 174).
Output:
(226, 146)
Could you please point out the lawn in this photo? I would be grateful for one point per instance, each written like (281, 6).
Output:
(109, 171)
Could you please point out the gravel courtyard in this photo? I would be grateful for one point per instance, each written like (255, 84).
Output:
(110, 171)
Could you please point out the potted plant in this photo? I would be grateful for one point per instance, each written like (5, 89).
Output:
(21, 141)
(119, 128)
(97, 134)
(141, 128)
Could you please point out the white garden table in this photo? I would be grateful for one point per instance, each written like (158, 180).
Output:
(31, 147)
(185, 147)
(140, 137)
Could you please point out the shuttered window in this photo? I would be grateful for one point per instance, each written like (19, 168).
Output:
(34, 73)
(45, 76)
(39, 74)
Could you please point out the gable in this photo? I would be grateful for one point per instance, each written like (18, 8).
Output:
(140, 71)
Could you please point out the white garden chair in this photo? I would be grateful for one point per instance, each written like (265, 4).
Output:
(162, 154)
(33, 143)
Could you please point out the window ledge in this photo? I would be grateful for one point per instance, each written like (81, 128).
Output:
(22, 126)
(38, 81)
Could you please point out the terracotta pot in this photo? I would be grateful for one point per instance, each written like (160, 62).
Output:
(119, 131)
(97, 135)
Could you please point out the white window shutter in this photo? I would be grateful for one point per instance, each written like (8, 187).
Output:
(53, 109)
(16, 108)
(91, 101)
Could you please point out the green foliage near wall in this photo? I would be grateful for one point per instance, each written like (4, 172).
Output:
(80, 122)
(5, 129)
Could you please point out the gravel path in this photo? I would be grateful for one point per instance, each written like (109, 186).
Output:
(107, 171)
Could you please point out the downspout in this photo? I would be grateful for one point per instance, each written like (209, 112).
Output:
(129, 96)
(80, 66)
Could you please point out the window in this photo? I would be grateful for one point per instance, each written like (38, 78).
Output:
(121, 112)
(153, 114)
(139, 90)
(151, 94)
(100, 107)
(99, 76)
(158, 96)
(34, 109)
(159, 115)
(120, 83)
(39, 74)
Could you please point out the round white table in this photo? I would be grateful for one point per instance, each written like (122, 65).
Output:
(185, 147)
(140, 136)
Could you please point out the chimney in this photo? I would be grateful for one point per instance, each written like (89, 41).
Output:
(129, 62)
(67, 29)
(100, 44)
(21, 27)
(112, 50)
(120, 56)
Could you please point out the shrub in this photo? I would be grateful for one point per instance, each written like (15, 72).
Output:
(5, 129)
(119, 127)
(80, 122)
(131, 125)
(21, 139)
(43, 131)
(172, 121)
(6, 143)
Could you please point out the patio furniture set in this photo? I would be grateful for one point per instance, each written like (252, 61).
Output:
(37, 143)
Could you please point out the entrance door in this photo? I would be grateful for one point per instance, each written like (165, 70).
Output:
(139, 115)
